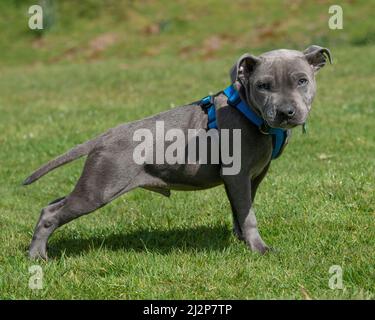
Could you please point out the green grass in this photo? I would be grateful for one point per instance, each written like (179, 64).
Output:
(316, 205)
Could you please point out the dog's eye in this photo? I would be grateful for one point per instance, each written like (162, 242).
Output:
(303, 82)
(264, 86)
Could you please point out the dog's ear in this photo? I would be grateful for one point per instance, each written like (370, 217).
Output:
(317, 56)
(243, 68)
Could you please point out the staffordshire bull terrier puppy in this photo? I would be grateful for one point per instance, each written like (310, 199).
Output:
(277, 88)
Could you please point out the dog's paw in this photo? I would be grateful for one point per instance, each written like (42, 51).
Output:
(37, 252)
(258, 245)
(238, 234)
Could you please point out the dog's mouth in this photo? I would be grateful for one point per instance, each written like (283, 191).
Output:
(285, 124)
(275, 119)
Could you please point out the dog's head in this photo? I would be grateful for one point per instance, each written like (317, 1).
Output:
(280, 84)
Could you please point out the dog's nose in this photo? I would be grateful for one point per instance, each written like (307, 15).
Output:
(288, 112)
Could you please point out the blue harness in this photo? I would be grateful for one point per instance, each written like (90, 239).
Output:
(279, 136)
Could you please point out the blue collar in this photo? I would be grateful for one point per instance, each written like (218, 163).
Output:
(279, 136)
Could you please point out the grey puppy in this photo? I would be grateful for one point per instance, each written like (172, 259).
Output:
(279, 86)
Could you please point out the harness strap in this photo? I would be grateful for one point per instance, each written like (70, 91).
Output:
(279, 136)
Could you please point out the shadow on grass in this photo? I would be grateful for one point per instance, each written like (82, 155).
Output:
(160, 241)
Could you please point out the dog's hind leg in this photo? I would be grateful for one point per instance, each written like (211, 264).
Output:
(101, 182)
(45, 226)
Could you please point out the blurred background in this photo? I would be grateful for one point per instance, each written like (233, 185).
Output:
(91, 30)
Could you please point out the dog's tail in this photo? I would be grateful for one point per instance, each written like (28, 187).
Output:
(73, 154)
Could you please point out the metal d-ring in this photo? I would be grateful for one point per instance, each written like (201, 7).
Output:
(264, 128)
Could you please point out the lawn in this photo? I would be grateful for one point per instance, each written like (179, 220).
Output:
(97, 67)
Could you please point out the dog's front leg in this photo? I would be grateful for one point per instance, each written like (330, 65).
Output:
(238, 189)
